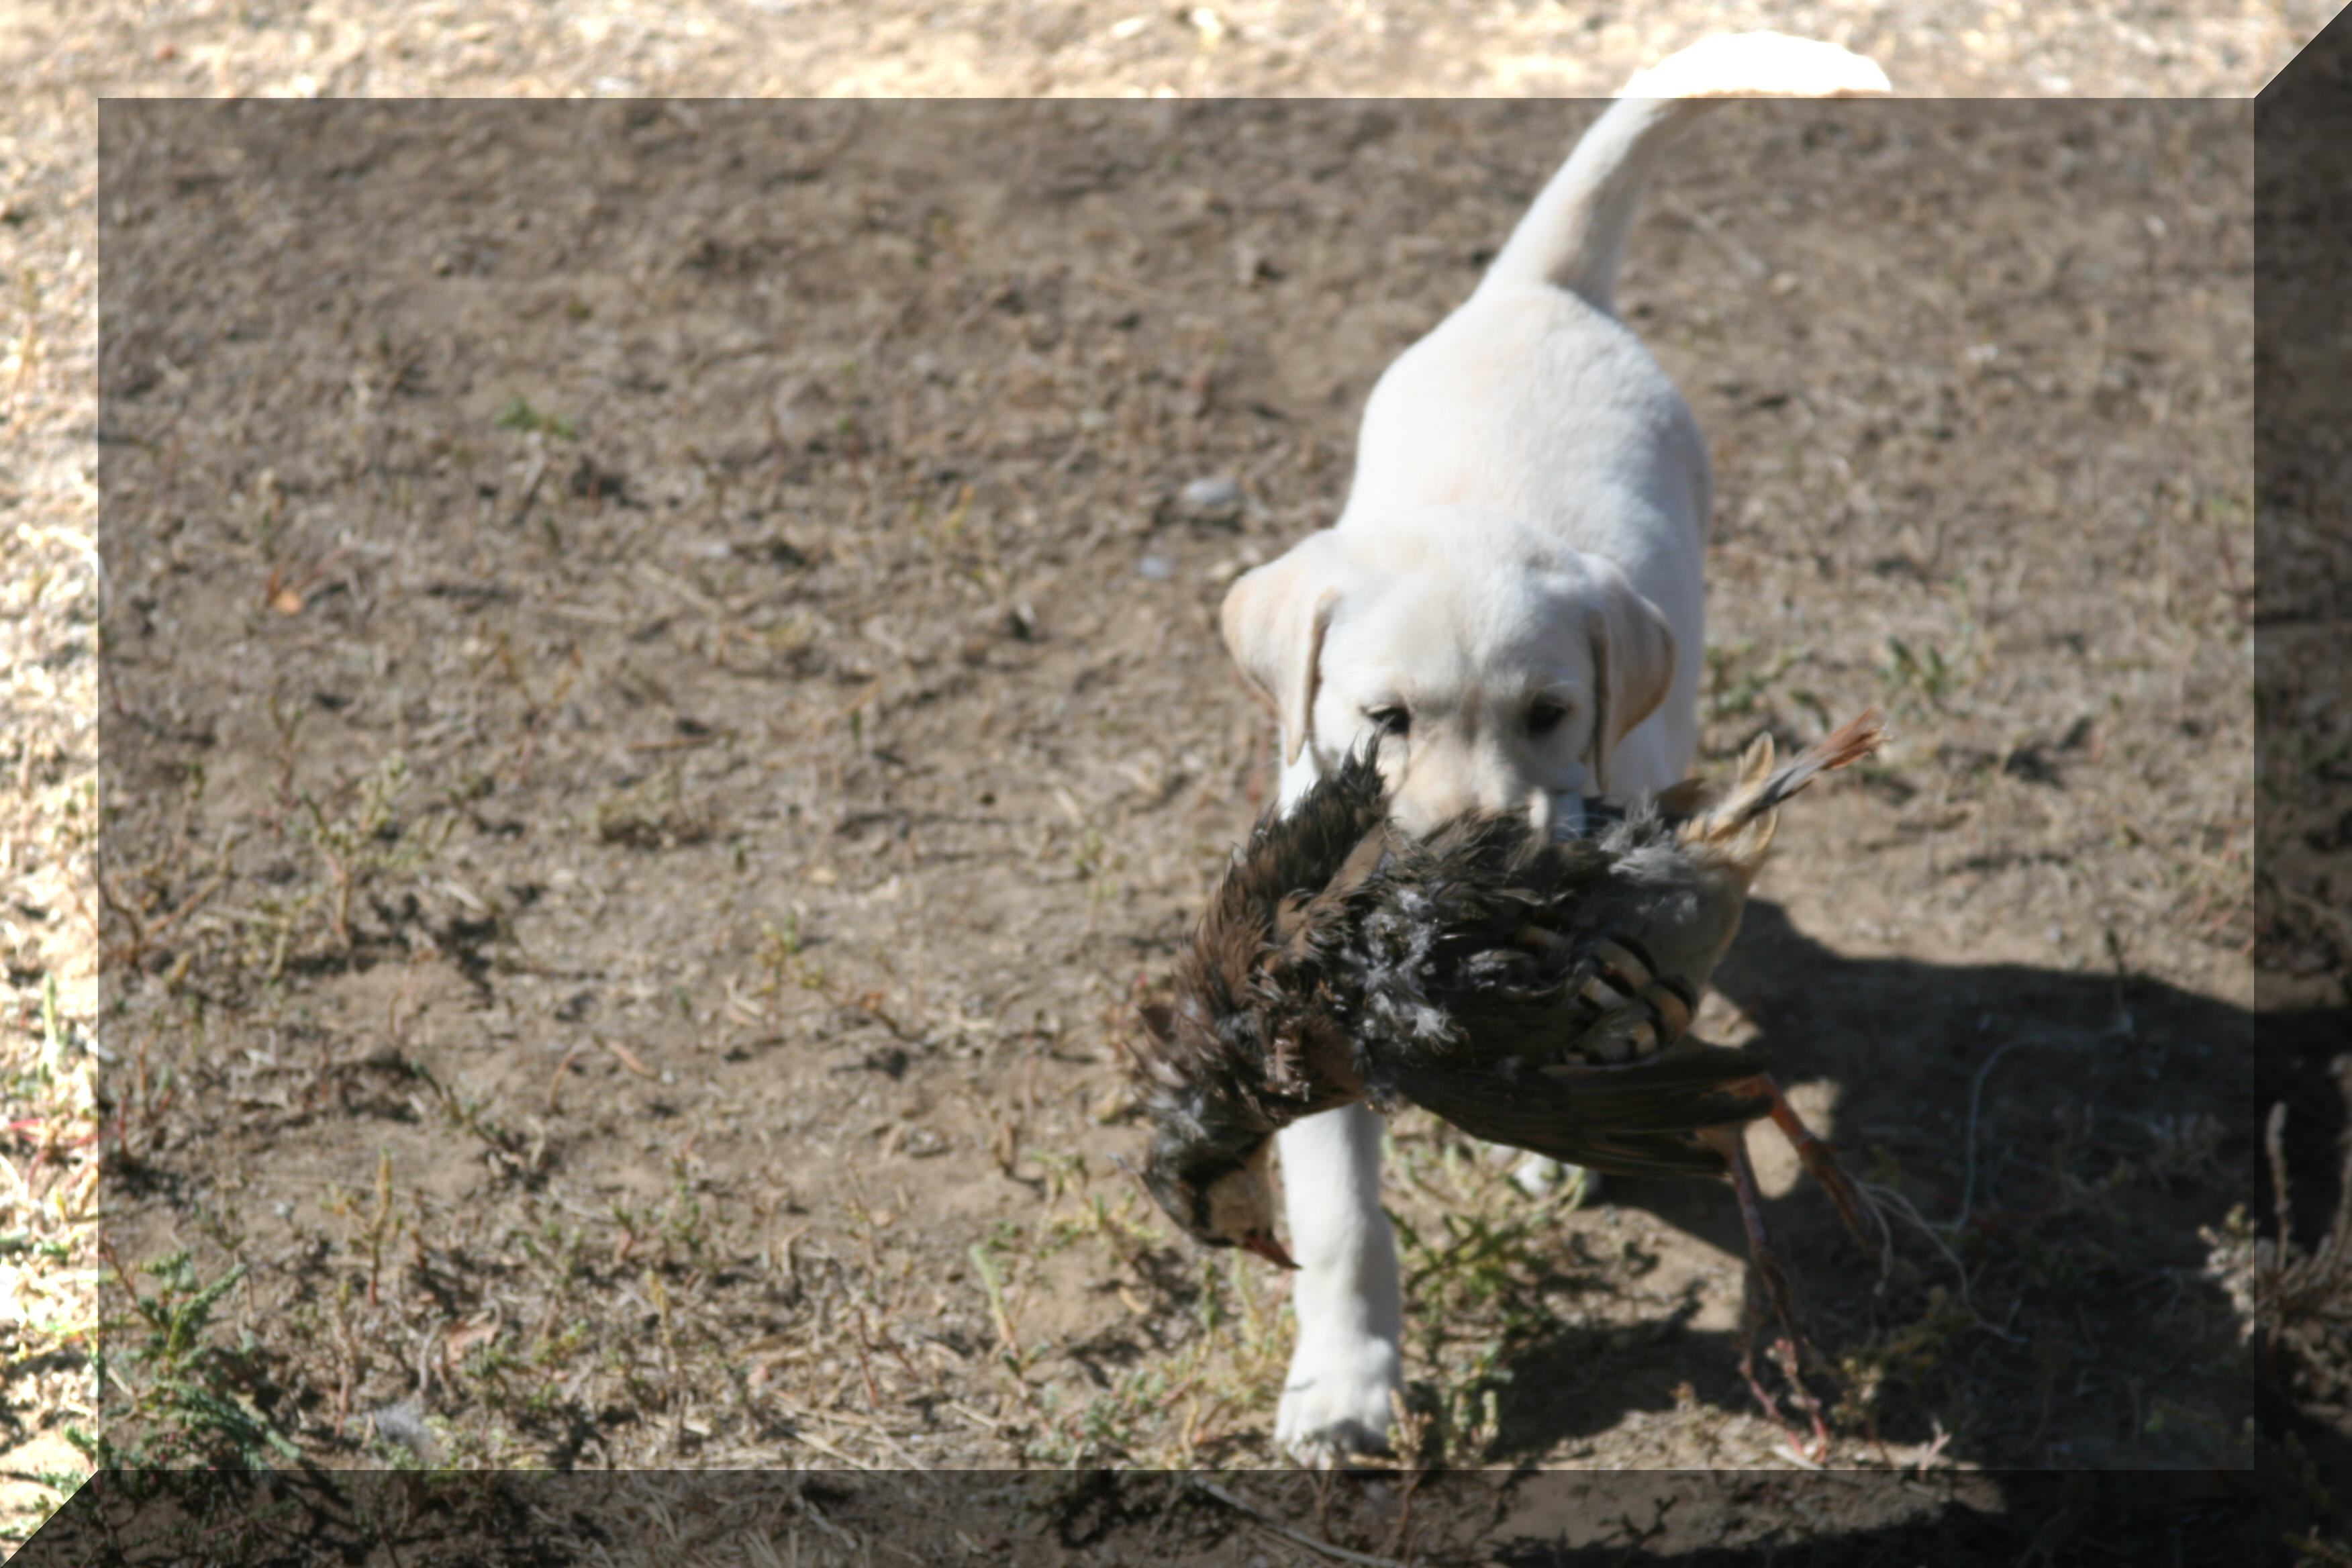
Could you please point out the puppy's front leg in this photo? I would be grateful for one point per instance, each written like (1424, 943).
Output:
(1349, 1306)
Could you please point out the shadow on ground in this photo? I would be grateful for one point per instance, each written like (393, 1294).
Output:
(1556, 1519)
(2070, 1136)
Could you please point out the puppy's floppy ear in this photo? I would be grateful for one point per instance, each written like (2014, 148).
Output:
(1274, 622)
(1633, 665)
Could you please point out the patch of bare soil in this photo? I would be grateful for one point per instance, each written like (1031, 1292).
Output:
(1037, 1517)
(2106, 49)
(663, 703)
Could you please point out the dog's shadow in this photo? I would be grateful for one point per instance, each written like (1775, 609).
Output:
(2092, 1123)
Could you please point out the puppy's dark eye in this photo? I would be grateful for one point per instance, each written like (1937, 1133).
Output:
(1390, 720)
(1543, 716)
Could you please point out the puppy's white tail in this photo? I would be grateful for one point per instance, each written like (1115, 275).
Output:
(1574, 235)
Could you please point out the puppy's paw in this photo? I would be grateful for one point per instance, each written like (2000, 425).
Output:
(1340, 1399)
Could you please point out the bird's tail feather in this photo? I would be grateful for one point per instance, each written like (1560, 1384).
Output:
(1762, 788)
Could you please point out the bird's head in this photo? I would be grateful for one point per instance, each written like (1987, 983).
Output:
(1220, 1189)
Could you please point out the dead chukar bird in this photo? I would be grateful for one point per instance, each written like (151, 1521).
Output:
(1530, 991)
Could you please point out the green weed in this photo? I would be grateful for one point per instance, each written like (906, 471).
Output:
(654, 814)
(518, 414)
(1735, 685)
(1928, 671)
(181, 1398)
(357, 850)
(780, 958)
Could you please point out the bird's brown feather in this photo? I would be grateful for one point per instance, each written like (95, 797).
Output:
(1244, 1018)
(1531, 992)
(1639, 1120)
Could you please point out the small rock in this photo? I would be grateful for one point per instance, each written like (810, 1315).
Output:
(1157, 568)
(1537, 1175)
(1540, 1176)
(404, 1424)
(1251, 265)
(1224, 572)
(1216, 498)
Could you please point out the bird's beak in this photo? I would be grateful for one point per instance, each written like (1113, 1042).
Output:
(1265, 1247)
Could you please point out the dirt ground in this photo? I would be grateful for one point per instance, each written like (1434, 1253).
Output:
(654, 738)
(663, 702)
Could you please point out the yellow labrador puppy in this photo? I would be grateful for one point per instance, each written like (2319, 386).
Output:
(1510, 609)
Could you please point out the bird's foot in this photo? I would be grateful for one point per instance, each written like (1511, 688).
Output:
(1339, 1401)
(1787, 1355)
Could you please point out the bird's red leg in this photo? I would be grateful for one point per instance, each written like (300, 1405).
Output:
(1779, 1292)
(1819, 1158)
(1763, 1394)
(1790, 1352)
(1772, 1273)
(1785, 1352)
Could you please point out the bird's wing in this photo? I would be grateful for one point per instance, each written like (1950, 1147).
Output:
(1636, 1120)
(1247, 1000)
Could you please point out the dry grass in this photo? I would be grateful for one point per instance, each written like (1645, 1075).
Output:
(49, 1193)
(2297, 1301)
(2295, 1304)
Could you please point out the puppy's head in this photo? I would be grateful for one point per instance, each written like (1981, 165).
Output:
(1489, 666)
